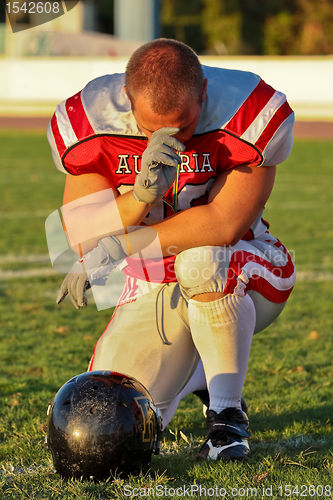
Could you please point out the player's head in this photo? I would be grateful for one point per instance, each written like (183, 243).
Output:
(166, 86)
(101, 423)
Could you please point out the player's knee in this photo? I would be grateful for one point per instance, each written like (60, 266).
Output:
(202, 270)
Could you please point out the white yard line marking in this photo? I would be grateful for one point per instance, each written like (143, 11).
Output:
(24, 215)
(9, 471)
(271, 205)
(15, 259)
(313, 276)
(44, 271)
(29, 273)
(293, 206)
(305, 275)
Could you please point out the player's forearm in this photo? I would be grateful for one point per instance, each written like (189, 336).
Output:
(197, 226)
(132, 211)
(99, 215)
(235, 201)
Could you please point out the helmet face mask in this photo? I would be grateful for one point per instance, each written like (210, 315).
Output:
(102, 423)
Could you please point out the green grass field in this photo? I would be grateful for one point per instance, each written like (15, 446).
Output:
(289, 382)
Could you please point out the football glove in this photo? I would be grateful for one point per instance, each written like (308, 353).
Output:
(158, 165)
(93, 268)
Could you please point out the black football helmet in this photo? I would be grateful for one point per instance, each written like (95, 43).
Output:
(101, 423)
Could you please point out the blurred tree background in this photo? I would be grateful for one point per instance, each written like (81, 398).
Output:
(245, 27)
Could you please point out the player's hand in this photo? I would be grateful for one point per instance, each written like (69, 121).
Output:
(158, 165)
(93, 268)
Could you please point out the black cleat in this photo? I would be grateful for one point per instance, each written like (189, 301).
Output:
(228, 434)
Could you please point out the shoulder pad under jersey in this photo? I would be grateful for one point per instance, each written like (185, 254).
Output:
(102, 107)
(241, 103)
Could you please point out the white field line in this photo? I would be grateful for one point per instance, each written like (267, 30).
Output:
(26, 273)
(17, 259)
(9, 471)
(24, 215)
(293, 206)
(306, 205)
(306, 275)
(313, 276)
(29, 273)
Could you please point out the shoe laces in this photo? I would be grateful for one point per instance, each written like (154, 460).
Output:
(228, 421)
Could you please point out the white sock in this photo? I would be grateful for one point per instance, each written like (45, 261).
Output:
(197, 382)
(222, 332)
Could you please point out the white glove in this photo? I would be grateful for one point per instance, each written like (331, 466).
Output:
(158, 165)
(93, 268)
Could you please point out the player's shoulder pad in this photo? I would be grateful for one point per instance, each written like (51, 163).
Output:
(101, 108)
(107, 106)
(226, 91)
(241, 103)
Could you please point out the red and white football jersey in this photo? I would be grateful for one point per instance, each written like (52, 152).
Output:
(243, 121)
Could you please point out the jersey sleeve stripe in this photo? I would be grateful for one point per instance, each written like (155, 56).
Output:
(279, 117)
(61, 146)
(65, 127)
(78, 118)
(250, 108)
(256, 128)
